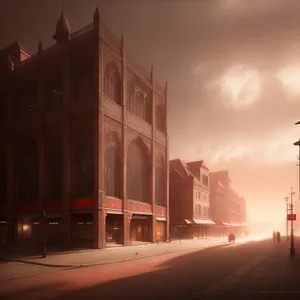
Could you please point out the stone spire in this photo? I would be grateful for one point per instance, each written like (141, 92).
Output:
(63, 29)
(97, 16)
(40, 46)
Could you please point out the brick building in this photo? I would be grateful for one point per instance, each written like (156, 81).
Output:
(84, 144)
(189, 199)
(228, 210)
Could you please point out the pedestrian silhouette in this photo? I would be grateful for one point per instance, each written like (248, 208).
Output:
(274, 236)
(278, 237)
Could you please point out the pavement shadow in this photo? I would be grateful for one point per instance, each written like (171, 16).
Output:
(178, 278)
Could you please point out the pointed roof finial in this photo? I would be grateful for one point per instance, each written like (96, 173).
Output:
(40, 46)
(166, 86)
(97, 12)
(63, 28)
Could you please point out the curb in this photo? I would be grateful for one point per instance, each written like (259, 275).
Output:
(221, 244)
(109, 262)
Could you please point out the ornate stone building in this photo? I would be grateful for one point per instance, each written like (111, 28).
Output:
(84, 144)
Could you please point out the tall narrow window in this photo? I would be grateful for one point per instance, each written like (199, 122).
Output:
(160, 118)
(112, 166)
(138, 172)
(54, 168)
(53, 91)
(3, 177)
(160, 182)
(28, 168)
(112, 83)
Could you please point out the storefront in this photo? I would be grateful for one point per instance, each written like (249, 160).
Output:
(82, 230)
(114, 228)
(202, 228)
(182, 230)
(54, 231)
(161, 226)
(140, 228)
(27, 231)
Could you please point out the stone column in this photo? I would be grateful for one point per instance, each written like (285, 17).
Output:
(11, 190)
(126, 214)
(153, 152)
(99, 212)
(167, 166)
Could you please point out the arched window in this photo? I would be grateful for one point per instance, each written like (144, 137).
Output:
(112, 166)
(130, 100)
(85, 169)
(3, 177)
(54, 168)
(138, 172)
(160, 118)
(160, 181)
(112, 83)
(28, 171)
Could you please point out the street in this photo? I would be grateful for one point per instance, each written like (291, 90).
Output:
(194, 274)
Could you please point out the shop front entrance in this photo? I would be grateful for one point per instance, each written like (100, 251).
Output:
(114, 229)
(140, 228)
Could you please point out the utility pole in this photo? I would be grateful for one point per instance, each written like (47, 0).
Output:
(292, 247)
(286, 218)
(298, 202)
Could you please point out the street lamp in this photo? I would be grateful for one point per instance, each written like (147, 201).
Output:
(287, 222)
(292, 247)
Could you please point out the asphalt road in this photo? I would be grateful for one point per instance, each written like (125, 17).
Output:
(190, 275)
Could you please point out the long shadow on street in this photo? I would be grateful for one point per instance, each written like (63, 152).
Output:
(177, 278)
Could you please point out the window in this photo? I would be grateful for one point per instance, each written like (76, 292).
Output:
(112, 83)
(54, 168)
(27, 171)
(205, 180)
(138, 172)
(113, 167)
(160, 118)
(53, 91)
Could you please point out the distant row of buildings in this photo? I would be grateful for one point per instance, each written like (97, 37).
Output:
(203, 203)
(84, 152)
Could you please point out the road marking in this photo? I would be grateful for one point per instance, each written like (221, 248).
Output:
(223, 284)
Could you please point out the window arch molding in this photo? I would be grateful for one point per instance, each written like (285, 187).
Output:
(138, 171)
(112, 82)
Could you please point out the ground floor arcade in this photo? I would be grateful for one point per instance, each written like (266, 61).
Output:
(83, 229)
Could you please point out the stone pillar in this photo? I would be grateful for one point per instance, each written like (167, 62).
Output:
(126, 213)
(41, 160)
(99, 212)
(153, 155)
(167, 167)
(11, 191)
(67, 157)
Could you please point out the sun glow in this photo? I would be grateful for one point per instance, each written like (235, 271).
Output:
(241, 85)
(290, 78)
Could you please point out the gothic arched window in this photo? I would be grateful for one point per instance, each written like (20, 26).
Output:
(160, 118)
(138, 172)
(130, 99)
(112, 166)
(160, 182)
(28, 171)
(112, 83)
(85, 169)
(54, 168)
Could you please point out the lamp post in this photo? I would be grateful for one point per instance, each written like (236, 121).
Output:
(292, 247)
(298, 165)
(44, 249)
(287, 222)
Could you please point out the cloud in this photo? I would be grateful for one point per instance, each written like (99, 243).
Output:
(290, 78)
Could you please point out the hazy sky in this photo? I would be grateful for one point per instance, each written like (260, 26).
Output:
(233, 69)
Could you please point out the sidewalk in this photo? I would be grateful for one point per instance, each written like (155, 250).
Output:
(89, 257)
(276, 277)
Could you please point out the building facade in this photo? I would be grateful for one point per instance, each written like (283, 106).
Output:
(84, 144)
(228, 210)
(189, 200)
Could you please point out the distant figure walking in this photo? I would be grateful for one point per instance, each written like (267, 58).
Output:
(278, 237)
(274, 236)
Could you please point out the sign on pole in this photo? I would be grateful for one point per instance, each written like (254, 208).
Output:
(291, 217)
